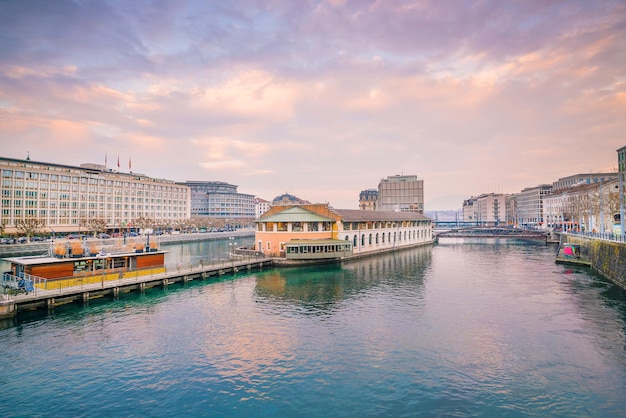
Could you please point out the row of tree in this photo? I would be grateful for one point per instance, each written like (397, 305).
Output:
(33, 226)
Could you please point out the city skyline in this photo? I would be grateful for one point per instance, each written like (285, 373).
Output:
(319, 99)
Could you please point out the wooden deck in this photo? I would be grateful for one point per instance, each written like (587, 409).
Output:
(48, 299)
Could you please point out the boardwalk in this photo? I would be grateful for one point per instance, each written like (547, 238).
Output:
(42, 298)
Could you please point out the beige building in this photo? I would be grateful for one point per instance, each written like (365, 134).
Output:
(401, 194)
(64, 197)
(487, 209)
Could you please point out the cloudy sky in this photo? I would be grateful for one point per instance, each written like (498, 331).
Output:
(320, 99)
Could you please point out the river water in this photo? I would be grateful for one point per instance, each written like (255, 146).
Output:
(462, 328)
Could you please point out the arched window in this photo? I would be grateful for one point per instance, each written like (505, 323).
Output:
(383, 234)
(377, 238)
(370, 239)
(362, 239)
(354, 241)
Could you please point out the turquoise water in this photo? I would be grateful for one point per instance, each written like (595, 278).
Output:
(458, 329)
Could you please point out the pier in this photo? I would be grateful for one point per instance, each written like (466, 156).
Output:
(11, 304)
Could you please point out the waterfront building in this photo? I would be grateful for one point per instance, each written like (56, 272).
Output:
(529, 210)
(488, 209)
(621, 165)
(511, 210)
(468, 210)
(590, 207)
(65, 197)
(589, 178)
(260, 207)
(401, 193)
(314, 231)
(367, 199)
(219, 200)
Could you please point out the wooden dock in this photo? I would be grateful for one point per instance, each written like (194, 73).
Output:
(10, 305)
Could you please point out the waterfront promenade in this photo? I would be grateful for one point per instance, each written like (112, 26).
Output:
(40, 298)
(34, 248)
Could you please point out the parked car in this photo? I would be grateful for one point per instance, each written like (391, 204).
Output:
(104, 236)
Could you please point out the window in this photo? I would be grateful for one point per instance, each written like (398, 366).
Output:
(269, 246)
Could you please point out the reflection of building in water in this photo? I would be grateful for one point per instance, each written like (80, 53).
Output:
(316, 290)
(318, 232)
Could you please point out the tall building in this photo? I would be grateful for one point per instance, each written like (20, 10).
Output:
(530, 206)
(216, 199)
(401, 193)
(367, 199)
(65, 197)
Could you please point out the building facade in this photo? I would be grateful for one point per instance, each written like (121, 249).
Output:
(64, 197)
(401, 193)
(284, 231)
(584, 207)
(367, 199)
(487, 209)
(589, 178)
(216, 199)
(260, 207)
(529, 210)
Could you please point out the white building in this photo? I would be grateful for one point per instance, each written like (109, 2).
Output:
(260, 207)
(64, 196)
(529, 210)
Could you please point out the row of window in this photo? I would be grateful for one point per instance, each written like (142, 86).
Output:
(397, 236)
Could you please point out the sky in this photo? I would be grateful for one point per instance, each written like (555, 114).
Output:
(320, 99)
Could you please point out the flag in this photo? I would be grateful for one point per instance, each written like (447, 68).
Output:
(118, 161)
(129, 166)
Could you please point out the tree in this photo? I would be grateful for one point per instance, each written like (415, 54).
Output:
(2, 227)
(143, 223)
(29, 226)
(95, 225)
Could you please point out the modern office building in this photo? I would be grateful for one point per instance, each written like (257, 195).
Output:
(367, 199)
(530, 206)
(219, 200)
(65, 197)
(401, 193)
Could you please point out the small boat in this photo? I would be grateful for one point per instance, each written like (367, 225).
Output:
(81, 262)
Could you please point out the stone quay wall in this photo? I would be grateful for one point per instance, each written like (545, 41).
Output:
(606, 257)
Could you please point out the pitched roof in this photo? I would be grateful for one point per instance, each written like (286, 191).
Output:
(295, 214)
(357, 215)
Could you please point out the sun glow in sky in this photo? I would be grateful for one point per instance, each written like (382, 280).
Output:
(320, 99)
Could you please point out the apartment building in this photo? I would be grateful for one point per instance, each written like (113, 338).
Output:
(64, 197)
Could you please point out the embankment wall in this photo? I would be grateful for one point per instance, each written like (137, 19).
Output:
(606, 257)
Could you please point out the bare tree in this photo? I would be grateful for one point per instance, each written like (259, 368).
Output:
(95, 225)
(29, 226)
(143, 223)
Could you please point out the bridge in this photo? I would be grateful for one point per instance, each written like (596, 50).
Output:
(489, 232)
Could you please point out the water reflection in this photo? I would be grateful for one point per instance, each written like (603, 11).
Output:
(319, 290)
